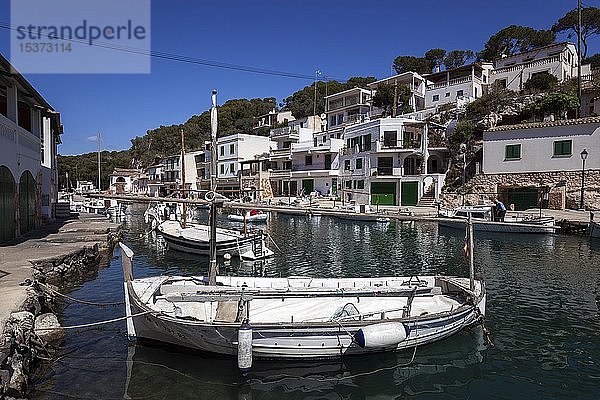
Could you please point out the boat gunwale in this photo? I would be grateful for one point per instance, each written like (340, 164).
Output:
(463, 308)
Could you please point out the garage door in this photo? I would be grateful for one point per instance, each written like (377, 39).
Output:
(383, 193)
(27, 202)
(410, 193)
(7, 205)
(523, 198)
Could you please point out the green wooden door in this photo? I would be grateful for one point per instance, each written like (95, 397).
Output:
(383, 193)
(308, 186)
(409, 195)
(7, 205)
(27, 202)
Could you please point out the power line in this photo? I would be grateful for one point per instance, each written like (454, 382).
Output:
(178, 58)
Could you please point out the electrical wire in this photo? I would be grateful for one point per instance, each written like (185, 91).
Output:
(179, 58)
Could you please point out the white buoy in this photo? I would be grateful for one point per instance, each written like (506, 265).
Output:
(385, 334)
(245, 347)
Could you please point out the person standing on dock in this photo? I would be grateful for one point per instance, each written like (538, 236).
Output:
(500, 210)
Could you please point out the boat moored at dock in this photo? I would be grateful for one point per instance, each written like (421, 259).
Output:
(484, 221)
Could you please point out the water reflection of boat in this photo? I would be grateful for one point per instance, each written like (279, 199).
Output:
(249, 216)
(483, 221)
(159, 371)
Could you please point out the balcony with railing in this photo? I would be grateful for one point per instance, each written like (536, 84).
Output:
(284, 131)
(391, 144)
(453, 82)
(526, 65)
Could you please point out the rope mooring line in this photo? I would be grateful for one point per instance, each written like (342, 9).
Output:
(107, 321)
(89, 303)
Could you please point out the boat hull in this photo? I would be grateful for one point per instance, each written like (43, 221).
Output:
(504, 227)
(294, 341)
(195, 240)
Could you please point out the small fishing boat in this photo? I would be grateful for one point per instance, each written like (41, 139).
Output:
(249, 216)
(361, 213)
(194, 238)
(299, 317)
(483, 221)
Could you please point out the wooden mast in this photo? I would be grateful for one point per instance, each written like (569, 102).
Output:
(470, 253)
(212, 275)
(183, 178)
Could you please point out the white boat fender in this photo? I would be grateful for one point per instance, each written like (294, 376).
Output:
(385, 334)
(245, 347)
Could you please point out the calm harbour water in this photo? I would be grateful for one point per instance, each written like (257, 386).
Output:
(542, 311)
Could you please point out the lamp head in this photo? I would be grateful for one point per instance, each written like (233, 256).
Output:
(584, 154)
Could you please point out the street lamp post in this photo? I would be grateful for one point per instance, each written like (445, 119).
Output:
(583, 155)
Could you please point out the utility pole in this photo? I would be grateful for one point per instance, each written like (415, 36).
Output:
(579, 56)
(395, 105)
(98, 160)
(317, 73)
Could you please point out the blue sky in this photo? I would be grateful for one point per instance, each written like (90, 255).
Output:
(341, 38)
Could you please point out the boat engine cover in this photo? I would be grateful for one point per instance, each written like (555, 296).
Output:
(385, 334)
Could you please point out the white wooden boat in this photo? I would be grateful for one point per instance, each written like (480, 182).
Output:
(194, 238)
(249, 217)
(483, 221)
(594, 229)
(299, 317)
(364, 214)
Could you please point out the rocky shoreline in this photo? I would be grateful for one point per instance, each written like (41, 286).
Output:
(32, 333)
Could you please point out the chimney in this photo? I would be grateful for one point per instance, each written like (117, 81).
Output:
(436, 69)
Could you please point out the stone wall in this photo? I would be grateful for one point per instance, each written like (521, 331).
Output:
(564, 188)
(26, 338)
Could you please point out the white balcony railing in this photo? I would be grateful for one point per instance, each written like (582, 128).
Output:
(283, 131)
(531, 64)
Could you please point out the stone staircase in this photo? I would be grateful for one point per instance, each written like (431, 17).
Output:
(428, 198)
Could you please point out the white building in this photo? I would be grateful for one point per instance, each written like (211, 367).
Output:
(234, 149)
(415, 82)
(121, 180)
(542, 146)
(459, 85)
(348, 107)
(273, 118)
(559, 59)
(391, 161)
(171, 174)
(521, 162)
(30, 132)
(155, 180)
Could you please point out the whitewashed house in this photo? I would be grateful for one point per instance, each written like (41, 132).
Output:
(345, 108)
(415, 82)
(521, 162)
(390, 161)
(155, 180)
(231, 151)
(121, 180)
(459, 85)
(30, 132)
(273, 118)
(559, 59)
